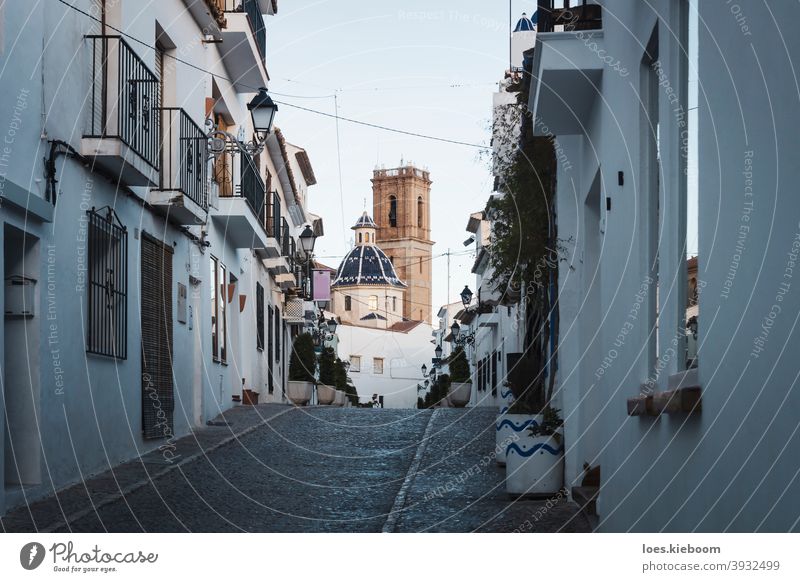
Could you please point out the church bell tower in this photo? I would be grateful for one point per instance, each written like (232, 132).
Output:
(401, 209)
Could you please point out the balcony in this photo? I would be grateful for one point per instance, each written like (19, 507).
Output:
(568, 64)
(181, 191)
(566, 18)
(122, 135)
(244, 45)
(245, 213)
(283, 263)
(209, 16)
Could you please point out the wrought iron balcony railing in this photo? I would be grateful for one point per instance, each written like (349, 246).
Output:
(569, 16)
(124, 97)
(272, 218)
(252, 188)
(253, 11)
(183, 155)
(286, 239)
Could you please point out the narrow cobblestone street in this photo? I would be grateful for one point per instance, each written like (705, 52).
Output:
(324, 470)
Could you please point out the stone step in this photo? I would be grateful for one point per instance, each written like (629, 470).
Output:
(586, 498)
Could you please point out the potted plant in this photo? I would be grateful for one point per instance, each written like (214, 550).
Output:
(302, 366)
(437, 395)
(344, 384)
(534, 450)
(460, 380)
(326, 387)
(525, 258)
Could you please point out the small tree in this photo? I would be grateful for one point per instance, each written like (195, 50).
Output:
(438, 391)
(339, 375)
(303, 362)
(352, 393)
(341, 382)
(459, 367)
(327, 367)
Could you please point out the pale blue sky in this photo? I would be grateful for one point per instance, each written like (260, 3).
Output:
(393, 64)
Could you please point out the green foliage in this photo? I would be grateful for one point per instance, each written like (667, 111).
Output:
(522, 220)
(303, 362)
(352, 393)
(550, 424)
(420, 403)
(327, 367)
(525, 249)
(459, 366)
(339, 375)
(438, 391)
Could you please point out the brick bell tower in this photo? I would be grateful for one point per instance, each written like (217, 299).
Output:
(401, 209)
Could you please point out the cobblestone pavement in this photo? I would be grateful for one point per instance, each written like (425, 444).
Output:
(313, 469)
(460, 487)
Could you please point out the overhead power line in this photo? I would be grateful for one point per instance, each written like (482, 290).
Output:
(292, 105)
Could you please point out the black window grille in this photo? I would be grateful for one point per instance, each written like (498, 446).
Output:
(107, 314)
(259, 316)
(348, 303)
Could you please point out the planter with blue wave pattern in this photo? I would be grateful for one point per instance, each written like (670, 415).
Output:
(534, 464)
(509, 428)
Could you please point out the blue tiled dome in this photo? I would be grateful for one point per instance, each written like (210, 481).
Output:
(364, 221)
(526, 24)
(366, 265)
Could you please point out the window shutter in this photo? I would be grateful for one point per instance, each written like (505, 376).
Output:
(259, 316)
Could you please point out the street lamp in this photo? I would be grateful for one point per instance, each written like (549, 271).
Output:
(305, 253)
(438, 352)
(424, 371)
(460, 339)
(307, 240)
(466, 296)
(332, 325)
(262, 110)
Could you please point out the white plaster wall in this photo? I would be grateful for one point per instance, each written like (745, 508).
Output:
(89, 408)
(403, 354)
(360, 304)
(726, 468)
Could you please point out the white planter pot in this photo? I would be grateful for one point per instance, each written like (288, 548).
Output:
(299, 393)
(509, 428)
(459, 394)
(325, 394)
(339, 398)
(534, 464)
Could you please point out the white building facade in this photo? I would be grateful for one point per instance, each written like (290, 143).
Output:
(710, 448)
(146, 277)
